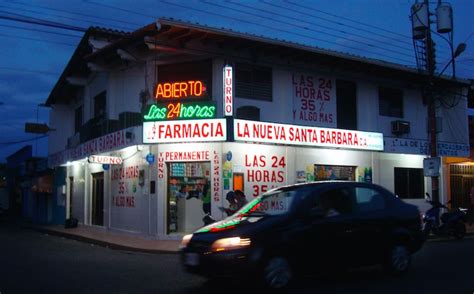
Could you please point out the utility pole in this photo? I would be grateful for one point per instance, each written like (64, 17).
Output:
(430, 65)
(426, 62)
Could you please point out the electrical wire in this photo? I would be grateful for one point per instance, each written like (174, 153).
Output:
(306, 28)
(38, 30)
(118, 8)
(64, 17)
(38, 21)
(23, 141)
(327, 20)
(37, 40)
(29, 71)
(351, 20)
(347, 19)
(286, 31)
(76, 13)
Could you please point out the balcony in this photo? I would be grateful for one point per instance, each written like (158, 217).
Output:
(98, 127)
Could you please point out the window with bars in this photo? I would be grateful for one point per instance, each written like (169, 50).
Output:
(78, 118)
(100, 105)
(253, 82)
(409, 183)
(390, 102)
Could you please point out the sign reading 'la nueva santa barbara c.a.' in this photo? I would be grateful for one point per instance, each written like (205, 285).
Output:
(263, 132)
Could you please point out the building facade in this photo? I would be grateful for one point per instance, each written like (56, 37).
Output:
(153, 128)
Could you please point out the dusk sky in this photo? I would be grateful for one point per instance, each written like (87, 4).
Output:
(33, 56)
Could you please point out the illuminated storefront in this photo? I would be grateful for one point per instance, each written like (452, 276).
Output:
(206, 124)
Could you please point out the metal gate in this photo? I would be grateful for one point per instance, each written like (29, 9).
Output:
(461, 180)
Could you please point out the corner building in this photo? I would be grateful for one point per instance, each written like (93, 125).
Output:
(154, 127)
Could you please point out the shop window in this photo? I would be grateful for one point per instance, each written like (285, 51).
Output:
(189, 195)
(238, 181)
(346, 94)
(248, 112)
(390, 102)
(369, 199)
(78, 118)
(100, 105)
(409, 183)
(253, 82)
(334, 172)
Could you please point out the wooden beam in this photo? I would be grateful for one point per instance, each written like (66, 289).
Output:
(96, 67)
(98, 44)
(126, 56)
(76, 81)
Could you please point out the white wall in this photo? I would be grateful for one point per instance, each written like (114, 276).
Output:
(127, 199)
(124, 91)
(61, 119)
(77, 170)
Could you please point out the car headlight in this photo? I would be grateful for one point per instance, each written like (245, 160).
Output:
(230, 244)
(185, 241)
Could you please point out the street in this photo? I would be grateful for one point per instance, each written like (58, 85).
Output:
(33, 262)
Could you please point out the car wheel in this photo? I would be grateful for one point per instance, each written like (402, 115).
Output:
(399, 259)
(277, 273)
(459, 231)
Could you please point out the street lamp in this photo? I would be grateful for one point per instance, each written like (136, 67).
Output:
(459, 50)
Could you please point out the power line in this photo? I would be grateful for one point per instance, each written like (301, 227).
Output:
(282, 30)
(306, 28)
(23, 141)
(38, 30)
(37, 40)
(77, 13)
(347, 25)
(38, 21)
(347, 19)
(328, 20)
(118, 8)
(29, 70)
(61, 16)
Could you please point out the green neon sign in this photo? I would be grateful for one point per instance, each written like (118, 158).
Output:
(178, 110)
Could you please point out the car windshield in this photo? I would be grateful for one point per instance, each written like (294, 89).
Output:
(272, 203)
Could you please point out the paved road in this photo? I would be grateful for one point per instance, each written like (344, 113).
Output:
(32, 262)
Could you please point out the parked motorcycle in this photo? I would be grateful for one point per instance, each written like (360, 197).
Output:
(451, 223)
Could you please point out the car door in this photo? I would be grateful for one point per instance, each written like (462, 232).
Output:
(331, 230)
(371, 222)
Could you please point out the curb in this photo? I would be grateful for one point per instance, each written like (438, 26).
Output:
(101, 243)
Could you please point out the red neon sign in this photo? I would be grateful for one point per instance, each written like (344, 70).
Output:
(180, 90)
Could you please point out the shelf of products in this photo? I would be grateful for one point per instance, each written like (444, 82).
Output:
(189, 169)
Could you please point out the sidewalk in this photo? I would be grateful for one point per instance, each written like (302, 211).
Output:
(121, 241)
(114, 240)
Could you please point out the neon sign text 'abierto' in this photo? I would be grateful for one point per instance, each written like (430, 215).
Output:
(179, 90)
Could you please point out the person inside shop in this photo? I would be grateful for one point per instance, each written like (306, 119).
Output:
(233, 206)
(240, 198)
(197, 192)
(182, 192)
(206, 197)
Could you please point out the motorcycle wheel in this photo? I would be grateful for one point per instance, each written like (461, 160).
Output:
(459, 231)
